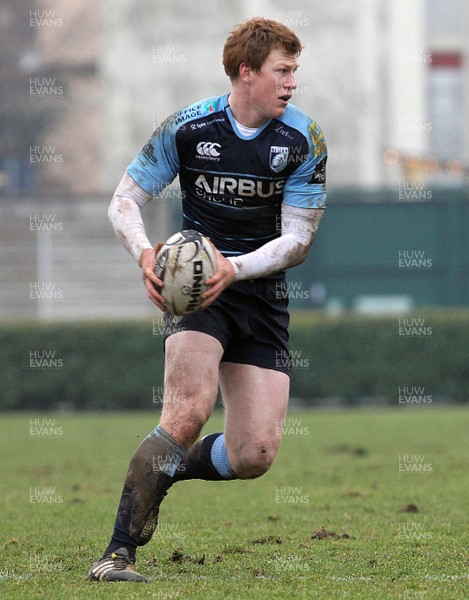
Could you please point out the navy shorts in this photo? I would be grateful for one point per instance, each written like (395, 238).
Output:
(250, 320)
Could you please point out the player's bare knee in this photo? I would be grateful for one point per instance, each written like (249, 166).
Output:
(254, 460)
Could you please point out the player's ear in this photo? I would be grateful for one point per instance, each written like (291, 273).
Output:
(245, 73)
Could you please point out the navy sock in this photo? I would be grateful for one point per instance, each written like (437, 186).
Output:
(207, 459)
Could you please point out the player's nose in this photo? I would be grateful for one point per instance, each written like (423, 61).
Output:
(290, 82)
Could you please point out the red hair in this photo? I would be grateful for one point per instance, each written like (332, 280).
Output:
(251, 42)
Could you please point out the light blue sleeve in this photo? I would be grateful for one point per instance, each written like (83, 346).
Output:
(157, 164)
(306, 187)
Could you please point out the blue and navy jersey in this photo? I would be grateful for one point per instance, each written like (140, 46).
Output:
(232, 186)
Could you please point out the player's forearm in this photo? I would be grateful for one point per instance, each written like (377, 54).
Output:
(125, 216)
(299, 229)
(277, 255)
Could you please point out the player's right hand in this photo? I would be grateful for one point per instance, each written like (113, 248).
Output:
(220, 280)
(152, 283)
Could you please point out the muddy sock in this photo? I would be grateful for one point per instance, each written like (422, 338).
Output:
(148, 479)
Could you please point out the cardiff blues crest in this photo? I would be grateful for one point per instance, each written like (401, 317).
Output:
(278, 158)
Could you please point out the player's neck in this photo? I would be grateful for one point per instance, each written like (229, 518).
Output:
(243, 110)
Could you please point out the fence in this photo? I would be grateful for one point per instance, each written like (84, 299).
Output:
(376, 252)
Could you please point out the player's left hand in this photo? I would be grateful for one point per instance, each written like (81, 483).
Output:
(224, 276)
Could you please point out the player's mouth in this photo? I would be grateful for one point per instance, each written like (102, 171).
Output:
(285, 99)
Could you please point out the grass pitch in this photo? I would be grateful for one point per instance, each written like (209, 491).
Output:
(359, 504)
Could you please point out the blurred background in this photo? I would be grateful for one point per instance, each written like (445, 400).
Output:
(84, 84)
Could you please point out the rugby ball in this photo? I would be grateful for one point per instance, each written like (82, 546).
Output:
(183, 263)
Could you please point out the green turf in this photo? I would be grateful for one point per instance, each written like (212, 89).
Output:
(337, 476)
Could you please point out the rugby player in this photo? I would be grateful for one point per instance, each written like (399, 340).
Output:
(252, 175)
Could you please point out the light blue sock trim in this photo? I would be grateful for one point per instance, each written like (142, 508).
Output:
(220, 460)
(169, 462)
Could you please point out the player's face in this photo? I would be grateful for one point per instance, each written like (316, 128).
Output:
(272, 87)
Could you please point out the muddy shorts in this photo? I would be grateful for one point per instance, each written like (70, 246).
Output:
(250, 320)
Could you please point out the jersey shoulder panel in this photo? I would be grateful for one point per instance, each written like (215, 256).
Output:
(158, 163)
(296, 118)
(198, 110)
(306, 186)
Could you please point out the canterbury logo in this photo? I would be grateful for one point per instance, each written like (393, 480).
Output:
(208, 149)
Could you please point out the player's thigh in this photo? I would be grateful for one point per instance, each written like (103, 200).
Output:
(190, 383)
(256, 401)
